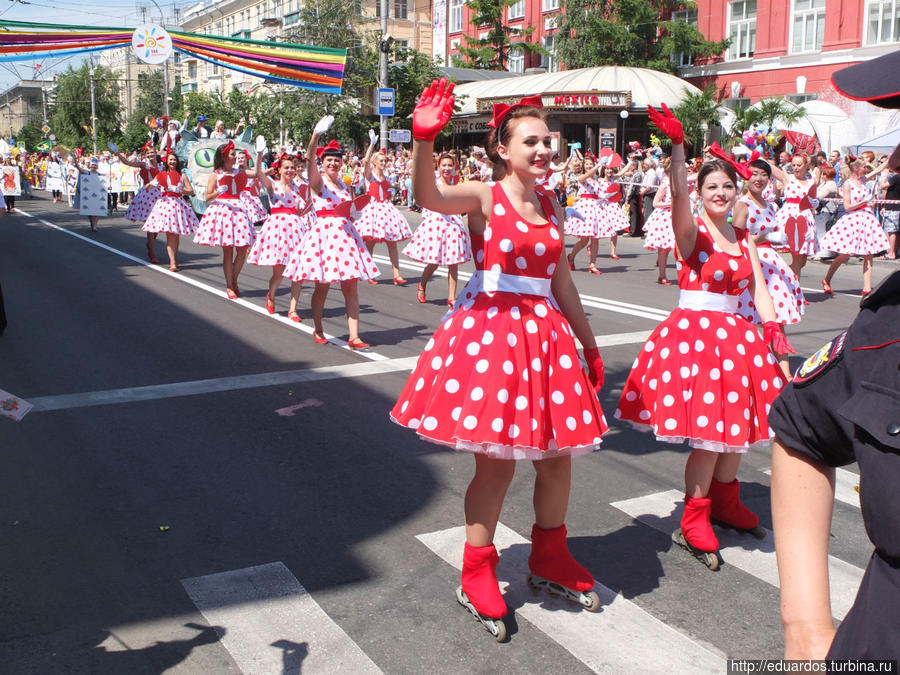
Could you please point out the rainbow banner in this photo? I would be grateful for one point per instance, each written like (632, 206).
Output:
(317, 68)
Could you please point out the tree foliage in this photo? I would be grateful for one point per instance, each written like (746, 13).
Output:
(30, 134)
(71, 112)
(696, 112)
(492, 51)
(628, 33)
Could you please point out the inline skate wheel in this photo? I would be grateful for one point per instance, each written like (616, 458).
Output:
(591, 601)
(499, 631)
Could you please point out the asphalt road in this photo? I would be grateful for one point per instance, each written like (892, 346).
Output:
(202, 489)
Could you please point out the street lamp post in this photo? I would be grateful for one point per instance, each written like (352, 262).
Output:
(165, 64)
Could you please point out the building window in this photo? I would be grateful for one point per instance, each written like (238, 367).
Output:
(736, 103)
(454, 44)
(800, 98)
(400, 9)
(192, 70)
(681, 59)
(293, 17)
(516, 60)
(516, 10)
(187, 88)
(549, 60)
(742, 29)
(808, 26)
(378, 9)
(549, 5)
(882, 21)
(456, 15)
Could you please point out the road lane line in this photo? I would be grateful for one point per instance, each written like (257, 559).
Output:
(846, 484)
(620, 638)
(192, 388)
(662, 512)
(269, 623)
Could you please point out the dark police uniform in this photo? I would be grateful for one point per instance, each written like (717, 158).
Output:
(844, 406)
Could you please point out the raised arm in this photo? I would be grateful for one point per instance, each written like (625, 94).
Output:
(257, 171)
(683, 222)
(367, 159)
(134, 163)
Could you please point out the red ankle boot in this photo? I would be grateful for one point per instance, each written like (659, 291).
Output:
(695, 525)
(550, 559)
(479, 580)
(727, 508)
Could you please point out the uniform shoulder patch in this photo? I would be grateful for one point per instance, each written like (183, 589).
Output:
(821, 361)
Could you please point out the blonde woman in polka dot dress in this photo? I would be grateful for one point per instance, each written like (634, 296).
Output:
(704, 376)
(501, 377)
(856, 233)
(170, 213)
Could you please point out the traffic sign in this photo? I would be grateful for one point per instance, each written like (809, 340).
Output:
(385, 102)
(400, 136)
(45, 129)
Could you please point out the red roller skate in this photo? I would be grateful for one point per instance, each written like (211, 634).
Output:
(554, 570)
(480, 592)
(696, 535)
(728, 511)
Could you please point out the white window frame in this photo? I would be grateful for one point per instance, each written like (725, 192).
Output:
(516, 11)
(891, 8)
(549, 61)
(740, 28)
(800, 18)
(681, 59)
(455, 23)
(515, 60)
(401, 9)
(549, 5)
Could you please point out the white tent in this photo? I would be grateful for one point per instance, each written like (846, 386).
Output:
(885, 143)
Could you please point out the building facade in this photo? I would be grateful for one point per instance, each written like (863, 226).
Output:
(409, 23)
(22, 103)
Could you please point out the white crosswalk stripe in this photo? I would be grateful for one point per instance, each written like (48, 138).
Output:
(662, 512)
(606, 641)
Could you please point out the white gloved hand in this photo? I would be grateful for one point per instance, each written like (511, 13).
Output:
(222, 189)
(260, 143)
(323, 125)
(604, 161)
(373, 137)
(112, 147)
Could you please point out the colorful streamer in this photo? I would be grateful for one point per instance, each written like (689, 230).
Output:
(317, 68)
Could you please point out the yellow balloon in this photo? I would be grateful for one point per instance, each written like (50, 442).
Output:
(570, 200)
(348, 180)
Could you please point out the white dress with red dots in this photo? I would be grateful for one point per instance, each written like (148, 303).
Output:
(225, 223)
(858, 232)
(783, 284)
(440, 239)
(142, 204)
(282, 232)
(380, 220)
(658, 232)
(501, 376)
(704, 375)
(170, 213)
(592, 215)
(794, 191)
(251, 202)
(332, 250)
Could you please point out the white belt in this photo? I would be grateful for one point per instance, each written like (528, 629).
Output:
(713, 302)
(491, 282)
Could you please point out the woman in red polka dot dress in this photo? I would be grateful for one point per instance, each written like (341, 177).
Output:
(225, 223)
(142, 204)
(856, 233)
(755, 214)
(799, 203)
(282, 232)
(658, 233)
(380, 221)
(441, 238)
(704, 376)
(171, 214)
(250, 201)
(593, 216)
(501, 377)
(332, 251)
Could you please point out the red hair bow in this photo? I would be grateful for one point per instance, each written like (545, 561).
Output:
(147, 146)
(167, 153)
(501, 110)
(743, 169)
(332, 147)
(228, 147)
(281, 158)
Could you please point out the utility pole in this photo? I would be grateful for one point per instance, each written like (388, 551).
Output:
(383, 49)
(93, 105)
(165, 65)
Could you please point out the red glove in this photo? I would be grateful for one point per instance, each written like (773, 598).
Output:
(433, 111)
(667, 123)
(776, 340)
(595, 368)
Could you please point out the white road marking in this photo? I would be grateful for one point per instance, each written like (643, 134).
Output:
(192, 388)
(622, 338)
(271, 624)
(620, 638)
(822, 292)
(662, 512)
(845, 486)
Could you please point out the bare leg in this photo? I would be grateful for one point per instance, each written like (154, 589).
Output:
(580, 244)
(612, 245)
(727, 464)
(318, 306)
(351, 306)
(172, 242)
(867, 274)
(275, 281)
(452, 276)
(426, 274)
(240, 255)
(228, 266)
(698, 472)
(295, 296)
(484, 498)
(662, 255)
(395, 258)
(797, 263)
(833, 267)
(592, 252)
(551, 491)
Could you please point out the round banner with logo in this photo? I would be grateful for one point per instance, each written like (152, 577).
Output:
(151, 44)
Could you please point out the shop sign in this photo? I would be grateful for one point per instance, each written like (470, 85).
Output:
(569, 100)
(471, 125)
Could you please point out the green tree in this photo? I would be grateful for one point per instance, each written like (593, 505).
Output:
(493, 50)
(70, 118)
(408, 76)
(149, 103)
(30, 135)
(775, 109)
(697, 112)
(628, 33)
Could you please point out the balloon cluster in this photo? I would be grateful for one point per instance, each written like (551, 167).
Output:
(762, 138)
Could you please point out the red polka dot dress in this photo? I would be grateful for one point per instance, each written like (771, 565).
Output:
(282, 232)
(704, 375)
(170, 213)
(142, 204)
(794, 191)
(225, 223)
(501, 376)
(857, 232)
(380, 220)
(591, 215)
(332, 250)
(658, 232)
(782, 283)
(440, 239)
(251, 202)
(304, 195)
